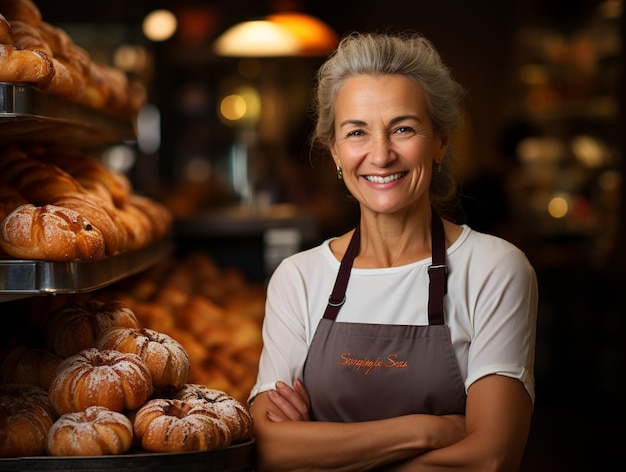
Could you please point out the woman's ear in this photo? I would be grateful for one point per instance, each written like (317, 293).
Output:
(443, 146)
(334, 155)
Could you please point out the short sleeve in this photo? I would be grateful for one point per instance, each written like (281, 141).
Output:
(504, 324)
(285, 344)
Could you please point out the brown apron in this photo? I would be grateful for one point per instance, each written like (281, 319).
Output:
(360, 371)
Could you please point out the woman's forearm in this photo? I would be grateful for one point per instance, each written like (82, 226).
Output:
(498, 422)
(311, 445)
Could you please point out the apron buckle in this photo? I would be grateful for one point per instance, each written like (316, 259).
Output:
(331, 302)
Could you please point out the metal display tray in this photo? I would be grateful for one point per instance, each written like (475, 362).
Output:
(29, 115)
(235, 458)
(25, 278)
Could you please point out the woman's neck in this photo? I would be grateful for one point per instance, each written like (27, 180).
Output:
(394, 240)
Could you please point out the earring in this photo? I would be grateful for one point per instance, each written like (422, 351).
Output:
(339, 173)
(438, 166)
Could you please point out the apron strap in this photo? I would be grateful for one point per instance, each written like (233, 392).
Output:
(437, 273)
(338, 296)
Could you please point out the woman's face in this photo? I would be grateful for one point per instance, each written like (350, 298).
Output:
(385, 142)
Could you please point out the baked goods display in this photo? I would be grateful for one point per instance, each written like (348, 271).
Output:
(125, 390)
(212, 311)
(61, 205)
(95, 431)
(36, 52)
(94, 378)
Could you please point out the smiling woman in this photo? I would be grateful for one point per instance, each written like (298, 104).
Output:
(453, 311)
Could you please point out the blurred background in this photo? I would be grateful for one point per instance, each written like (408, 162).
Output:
(223, 142)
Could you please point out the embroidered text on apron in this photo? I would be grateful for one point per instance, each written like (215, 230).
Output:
(360, 371)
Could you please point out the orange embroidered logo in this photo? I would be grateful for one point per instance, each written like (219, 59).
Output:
(368, 364)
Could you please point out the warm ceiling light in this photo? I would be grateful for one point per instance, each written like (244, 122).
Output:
(159, 25)
(315, 36)
(257, 38)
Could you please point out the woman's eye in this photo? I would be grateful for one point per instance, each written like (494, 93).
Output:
(355, 132)
(404, 130)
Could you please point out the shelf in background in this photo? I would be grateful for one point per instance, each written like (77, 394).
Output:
(28, 115)
(26, 278)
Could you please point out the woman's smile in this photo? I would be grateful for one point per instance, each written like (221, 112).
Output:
(379, 179)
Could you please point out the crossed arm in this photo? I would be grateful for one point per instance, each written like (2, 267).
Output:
(491, 436)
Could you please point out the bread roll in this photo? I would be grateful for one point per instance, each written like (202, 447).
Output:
(165, 357)
(26, 36)
(116, 380)
(50, 233)
(100, 214)
(137, 226)
(164, 425)
(40, 183)
(17, 65)
(25, 419)
(233, 413)
(76, 326)
(30, 365)
(96, 431)
(92, 175)
(158, 215)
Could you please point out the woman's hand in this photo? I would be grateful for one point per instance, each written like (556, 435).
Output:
(292, 404)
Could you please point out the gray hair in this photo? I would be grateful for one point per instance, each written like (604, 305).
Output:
(408, 54)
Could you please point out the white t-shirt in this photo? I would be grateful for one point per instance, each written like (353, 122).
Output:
(490, 307)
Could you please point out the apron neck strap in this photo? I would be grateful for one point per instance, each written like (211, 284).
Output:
(437, 273)
(338, 296)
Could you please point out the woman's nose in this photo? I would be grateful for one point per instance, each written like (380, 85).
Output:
(381, 152)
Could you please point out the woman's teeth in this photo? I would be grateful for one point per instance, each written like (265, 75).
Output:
(383, 180)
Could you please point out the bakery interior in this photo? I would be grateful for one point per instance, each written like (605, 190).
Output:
(218, 135)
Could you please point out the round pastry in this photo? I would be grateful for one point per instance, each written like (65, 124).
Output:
(32, 394)
(25, 419)
(165, 357)
(30, 365)
(76, 326)
(50, 233)
(94, 432)
(233, 413)
(113, 379)
(165, 425)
